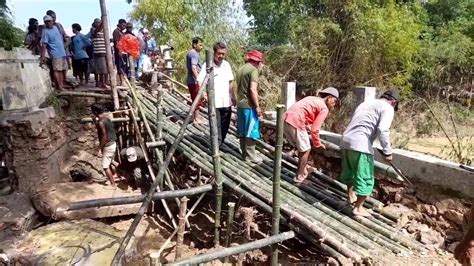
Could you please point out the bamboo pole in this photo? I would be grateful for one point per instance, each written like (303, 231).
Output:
(84, 94)
(235, 250)
(215, 145)
(118, 255)
(276, 181)
(97, 203)
(183, 206)
(148, 163)
(108, 54)
(230, 221)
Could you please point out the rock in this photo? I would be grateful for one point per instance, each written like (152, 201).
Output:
(397, 197)
(82, 139)
(427, 209)
(417, 227)
(454, 216)
(452, 246)
(409, 201)
(446, 204)
(431, 238)
(453, 235)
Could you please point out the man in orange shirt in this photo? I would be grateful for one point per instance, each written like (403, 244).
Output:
(312, 111)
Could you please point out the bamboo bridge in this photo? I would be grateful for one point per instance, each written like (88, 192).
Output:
(315, 210)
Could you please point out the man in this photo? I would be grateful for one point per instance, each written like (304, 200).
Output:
(107, 138)
(53, 45)
(223, 89)
(370, 120)
(134, 165)
(193, 67)
(120, 59)
(148, 66)
(248, 108)
(464, 251)
(310, 111)
(78, 47)
(100, 62)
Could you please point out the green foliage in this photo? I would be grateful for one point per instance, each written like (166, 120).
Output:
(10, 36)
(176, 22)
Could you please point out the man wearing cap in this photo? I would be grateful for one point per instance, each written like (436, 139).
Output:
(223, 89)
(248, 107)
(194, 67)
(370, 120)
(53, 43)
(133, 163)
(310, 111)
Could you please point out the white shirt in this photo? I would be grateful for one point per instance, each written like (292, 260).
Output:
(147, 66)
(222, 77)
(371, 119)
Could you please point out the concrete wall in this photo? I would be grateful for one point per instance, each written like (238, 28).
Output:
(425, 168)
(24, 85)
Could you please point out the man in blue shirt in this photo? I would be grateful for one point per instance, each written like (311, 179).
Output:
(194, 67)
(52, 42)
(78, 47)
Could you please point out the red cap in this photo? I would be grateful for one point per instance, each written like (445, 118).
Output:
(255, 56)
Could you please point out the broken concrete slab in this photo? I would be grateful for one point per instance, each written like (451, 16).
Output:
(17, 217)
(54, 200)
(82, 242)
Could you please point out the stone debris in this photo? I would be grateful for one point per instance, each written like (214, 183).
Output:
(17, 216)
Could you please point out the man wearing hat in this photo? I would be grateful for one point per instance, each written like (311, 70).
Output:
(310, 111)
(248, 108)
(133, 163)
(370, 120)
(52, 45)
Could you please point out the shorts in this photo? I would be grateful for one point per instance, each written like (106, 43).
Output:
(297, 137)
(100, 65)
(120, 62)
(193, 91)
(248, 123)
(108, 154)
(358, 171)
(79, 66)
(59, 64)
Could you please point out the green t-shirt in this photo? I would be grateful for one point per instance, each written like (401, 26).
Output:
(246, 74)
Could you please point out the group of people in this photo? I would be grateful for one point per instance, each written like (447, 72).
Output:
(86, 53)
(303, 120)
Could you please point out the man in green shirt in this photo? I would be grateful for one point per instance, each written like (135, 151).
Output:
(248, 108)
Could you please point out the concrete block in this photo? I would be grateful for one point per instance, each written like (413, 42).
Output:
(363, 94)
(288, 94)
(24, 85)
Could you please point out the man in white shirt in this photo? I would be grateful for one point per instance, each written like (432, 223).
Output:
(223, 89)
(372, 119)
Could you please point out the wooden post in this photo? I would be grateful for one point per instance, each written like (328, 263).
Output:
(110, 64)
(216, 159)
(230, 221)
(276, 181)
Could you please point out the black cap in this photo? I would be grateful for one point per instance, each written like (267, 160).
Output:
(392, 94)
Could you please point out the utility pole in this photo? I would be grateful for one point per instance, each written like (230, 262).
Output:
(110, 65)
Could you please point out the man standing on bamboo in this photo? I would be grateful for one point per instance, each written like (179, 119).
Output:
(371, 119)
(248, 107)
(194, 67)
(223, 89)
(310, 111)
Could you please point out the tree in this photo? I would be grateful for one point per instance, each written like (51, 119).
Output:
(10, 36)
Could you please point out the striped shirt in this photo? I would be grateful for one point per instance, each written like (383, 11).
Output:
(98, 41)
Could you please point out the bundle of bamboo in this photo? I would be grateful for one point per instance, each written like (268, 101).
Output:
(317, 210)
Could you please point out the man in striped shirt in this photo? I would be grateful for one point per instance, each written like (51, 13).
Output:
(98, 41)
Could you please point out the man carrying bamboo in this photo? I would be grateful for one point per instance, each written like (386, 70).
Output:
(371, 119)
(223, 89)
(248, 108)
(310, 111)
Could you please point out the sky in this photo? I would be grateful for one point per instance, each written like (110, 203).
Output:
(68, 12)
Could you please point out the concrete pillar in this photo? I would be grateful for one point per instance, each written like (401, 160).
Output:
(363, 94)
(288, 94)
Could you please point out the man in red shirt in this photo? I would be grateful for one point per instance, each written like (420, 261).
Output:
(312, 111)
